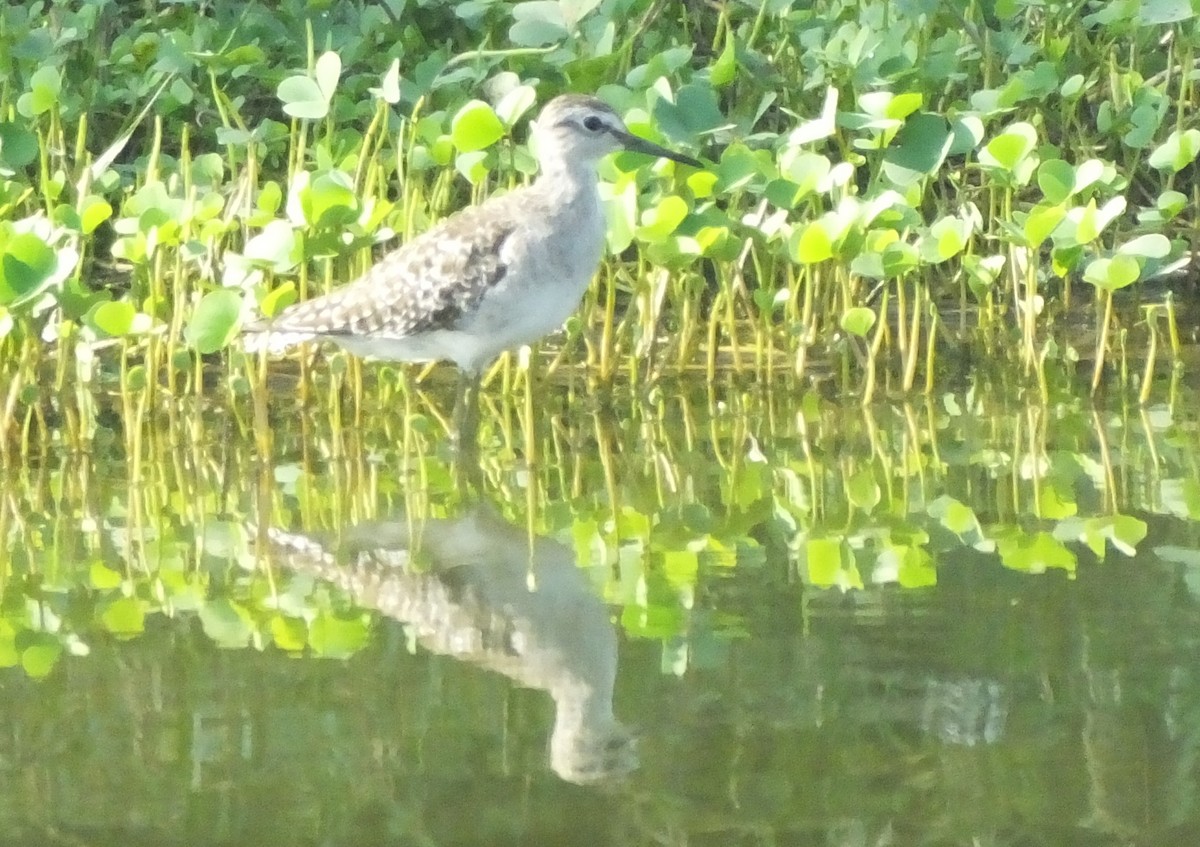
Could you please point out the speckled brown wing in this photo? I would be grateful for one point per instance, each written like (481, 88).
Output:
(425, 285)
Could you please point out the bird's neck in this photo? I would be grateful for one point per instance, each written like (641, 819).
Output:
(566, 177)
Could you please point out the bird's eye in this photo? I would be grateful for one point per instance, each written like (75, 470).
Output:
(593, 123)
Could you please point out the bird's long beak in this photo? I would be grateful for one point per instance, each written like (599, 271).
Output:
(632, 142)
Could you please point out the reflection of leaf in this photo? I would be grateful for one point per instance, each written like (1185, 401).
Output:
(40, 657)
(226, 623)
(338, 637)
(1035, 553)
(124, 617)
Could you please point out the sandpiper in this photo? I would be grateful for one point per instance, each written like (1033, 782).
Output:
(488, 278)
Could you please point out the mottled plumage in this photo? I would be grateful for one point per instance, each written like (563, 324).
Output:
(490, 277)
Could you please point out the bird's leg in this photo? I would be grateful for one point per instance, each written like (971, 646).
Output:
(466, 411)
(468, 473)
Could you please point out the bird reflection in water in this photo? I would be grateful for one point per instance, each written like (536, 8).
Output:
(481, 590)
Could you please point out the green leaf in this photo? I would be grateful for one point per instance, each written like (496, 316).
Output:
(389, 87)
(1177, 152)
(329, 200)
(113, 319)
(302, 98)
(96, 211)
(18, 145)
(475, 126)
(1112, 274)
(858, 320)
(1152, 246)
(1056, 178)
(26, 264)
(918, 149)
(1009, 149)
(275, 246)
(537, 23)
(662, 220)
(215, 321)
(812, 245)
(1158, 12)
(1041, 223)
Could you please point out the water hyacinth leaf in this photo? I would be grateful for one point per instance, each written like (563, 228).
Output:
(1146, 119)
(302, 98)
(724, 70)
(473, 166)
(659, 222)
(537, 23)
(1112, 274)
(1171, 203)
(95, 211)
(820, 127)
(276, 247)
(898, 259)
(1177, 152)
(858, 321)
(1056, 178)
(1158, 12)
(918, 149)
(215, 321)
(18, 146)
(695, 111)
(1041, 222)
(1009, 149)
(27, 264)
(326, 72)
(278, 299)
(515, 103)
(330, 200)
(574, 11)
(44, 87)
(812, 244)
(966, 134)
(947, 238)
(1152, 246)
(389, 87)
(475, 126)
(1072, 87)
(1090, 172)
(620, 211)
(739, 168)
(114, 319)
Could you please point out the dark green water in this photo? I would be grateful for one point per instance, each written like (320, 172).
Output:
(735, 621)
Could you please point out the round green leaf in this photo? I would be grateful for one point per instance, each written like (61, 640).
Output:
(858, 321)
(475, 127)
(215, 321)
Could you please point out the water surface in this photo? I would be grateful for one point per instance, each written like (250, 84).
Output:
(739, 618)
